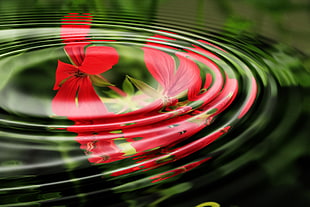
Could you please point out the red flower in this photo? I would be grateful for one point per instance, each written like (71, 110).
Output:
(76, 97)
(145, 142)
(175, 82)
(148, 135)
(194, 53)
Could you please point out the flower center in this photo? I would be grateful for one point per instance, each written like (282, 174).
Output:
(79, 74)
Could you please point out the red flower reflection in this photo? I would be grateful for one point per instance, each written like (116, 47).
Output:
(180, 107)
(75, 27)
(142, 142)
(76, 97)
(175, 82)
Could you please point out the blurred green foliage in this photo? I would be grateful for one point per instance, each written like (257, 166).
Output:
(283, 20)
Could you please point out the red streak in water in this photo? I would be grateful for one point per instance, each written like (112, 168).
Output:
(251, 99)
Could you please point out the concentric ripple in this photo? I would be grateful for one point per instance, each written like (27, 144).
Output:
(117, 111)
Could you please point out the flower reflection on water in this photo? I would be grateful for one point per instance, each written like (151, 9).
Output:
(183, 103)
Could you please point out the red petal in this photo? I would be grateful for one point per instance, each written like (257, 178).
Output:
(76, 53)
(186, 77)
(77, 99)
(99, 59)
(89, 104)
(160, 65)
(63, 71)
(63, 103)
(208, 81)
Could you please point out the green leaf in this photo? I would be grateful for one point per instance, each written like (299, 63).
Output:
(98, 81)
(196, 104)
(144, 87)
(110, 94)
(128, 87)
(211, 111)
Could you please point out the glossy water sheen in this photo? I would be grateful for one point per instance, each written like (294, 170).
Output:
(138, 108)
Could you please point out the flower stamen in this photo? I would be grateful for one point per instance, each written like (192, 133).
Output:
(79, 74)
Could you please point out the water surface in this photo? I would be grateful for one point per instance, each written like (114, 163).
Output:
(138, 104)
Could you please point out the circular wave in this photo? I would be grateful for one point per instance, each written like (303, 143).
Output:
(94, 106)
